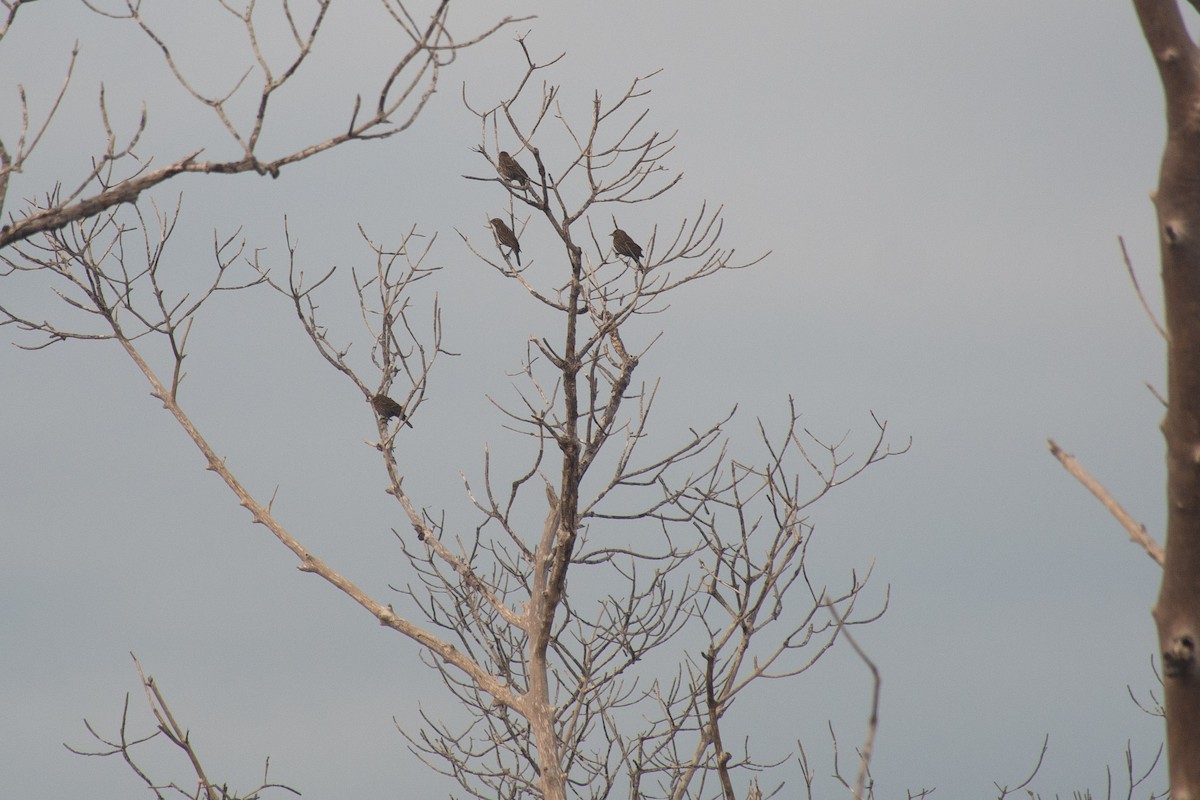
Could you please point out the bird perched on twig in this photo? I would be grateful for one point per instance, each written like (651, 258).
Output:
(511, 171)
(626, 246)
(387, 408)
(506, 237)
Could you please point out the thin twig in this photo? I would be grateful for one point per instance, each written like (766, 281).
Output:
(1141, 297)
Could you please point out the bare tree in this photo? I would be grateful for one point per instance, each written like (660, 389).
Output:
(598, 649)
(1177, 202)
(611, 606)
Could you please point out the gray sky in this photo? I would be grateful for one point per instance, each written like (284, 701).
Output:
(941, 185)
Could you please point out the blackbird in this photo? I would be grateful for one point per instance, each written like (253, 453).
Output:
(511, 171)
(387, 408)
(625, 246)
(506, 237)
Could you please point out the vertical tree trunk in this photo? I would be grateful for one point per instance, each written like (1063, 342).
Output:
(1177, 201)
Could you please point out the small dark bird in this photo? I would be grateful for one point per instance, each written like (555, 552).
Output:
(387, 408)
(506, 237)
(511, 171)
(625, 246)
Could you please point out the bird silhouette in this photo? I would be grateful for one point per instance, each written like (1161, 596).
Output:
(626, 246)
(506, 237)
(387, 408)
(511, 171)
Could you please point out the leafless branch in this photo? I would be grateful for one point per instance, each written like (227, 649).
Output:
(868, 746)
(178, 735)
(1137, 532)
(1005, 791)
(1138, 290)
(428, 53)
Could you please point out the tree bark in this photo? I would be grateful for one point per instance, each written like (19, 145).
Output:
(1177, 201)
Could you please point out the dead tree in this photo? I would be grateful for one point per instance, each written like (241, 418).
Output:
(1177, 202)
(610, 606)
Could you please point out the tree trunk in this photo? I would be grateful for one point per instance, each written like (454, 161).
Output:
(1177, 202)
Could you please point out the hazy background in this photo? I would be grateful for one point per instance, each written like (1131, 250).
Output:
(941, 185)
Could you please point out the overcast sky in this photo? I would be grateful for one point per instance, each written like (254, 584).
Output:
(941, 186)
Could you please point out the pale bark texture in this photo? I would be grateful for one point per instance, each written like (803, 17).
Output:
(1177, 201)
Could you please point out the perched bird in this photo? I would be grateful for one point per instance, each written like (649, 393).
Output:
(387, 408)
(506, 237)
(511, 171)
(625, 246)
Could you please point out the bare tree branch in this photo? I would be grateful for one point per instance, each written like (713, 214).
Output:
(169, 728)
(428, 53)
(868, 747)
(1137, 531)
(1138, 290)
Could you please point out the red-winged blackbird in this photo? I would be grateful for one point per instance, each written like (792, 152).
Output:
(510, 170)
(506, 237)
(625, 246)
(387, 408)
